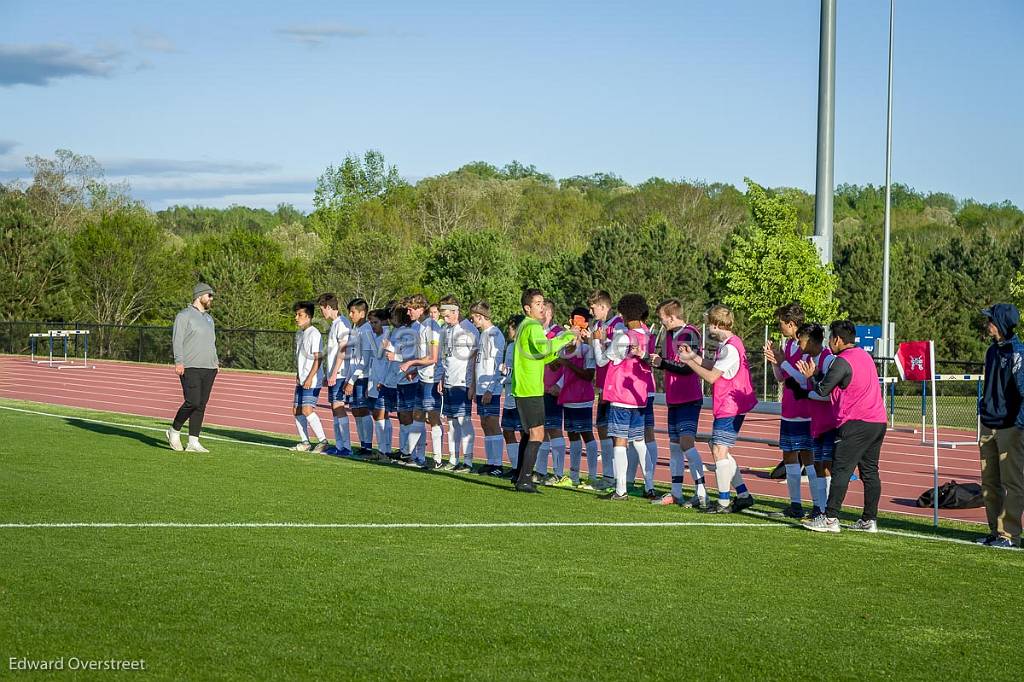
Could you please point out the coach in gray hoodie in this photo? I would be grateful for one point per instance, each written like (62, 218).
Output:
(195, 362)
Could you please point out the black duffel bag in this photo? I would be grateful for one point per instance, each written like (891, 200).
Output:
(953, 495)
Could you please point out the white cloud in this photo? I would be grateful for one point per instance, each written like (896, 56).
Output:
(42, 64)
(319, 34)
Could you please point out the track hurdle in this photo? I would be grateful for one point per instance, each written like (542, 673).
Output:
(952, 444)
(67, 361)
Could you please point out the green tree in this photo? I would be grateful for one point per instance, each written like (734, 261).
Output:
(772, 264)
(475, 265)
(33, 262)
(369, 264)
(340, 189)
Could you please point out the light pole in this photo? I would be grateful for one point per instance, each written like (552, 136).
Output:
(886, 346)
(823, 185)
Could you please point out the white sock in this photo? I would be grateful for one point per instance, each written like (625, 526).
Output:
(341, 437)
(193, 440)
(453, 443)
(435, 442)
(697, 471)
(723, 474)
(828, 487)
(677, 467)
(388, 437)
(631, 462)
(619, 454)
(300, 426)
(380, 427)
(318, 429)
(575, 455)
(737, 479)
(793, 482)
(641, 460)
(558, 456)
(652, 464)
(468, 437)
(413, 434)
(812, 482)
(513, 453)
(493, 445)
(542, 459)
(403, 438)
(368, 429)
(591, 446)
(607, 458)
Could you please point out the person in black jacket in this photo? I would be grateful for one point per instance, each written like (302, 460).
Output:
(1001, 409)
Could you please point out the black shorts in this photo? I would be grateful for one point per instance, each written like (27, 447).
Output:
(531, 411)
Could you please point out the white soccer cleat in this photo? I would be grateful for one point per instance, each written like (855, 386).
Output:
(195, 447)
(303, 446)
(174, 440)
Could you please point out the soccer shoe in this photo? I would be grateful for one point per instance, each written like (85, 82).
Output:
(551, 479)
(585, 486)
(331, 450)
(615, 497)
(816, 511)
(174, 440)
(742, 502)
(666, 500)
(536, 478)
(496, 472)
(865, 526)
(697, 502)
(987, 540)
(563, 482)
(1002, 543)
(449, 467)
(304, 446)
(716, 508)
(195, 447)
(793, 512)
(320, 448)
(484, 470)
(463, 469)
(822, 524)
(650, 494)
(526, 488)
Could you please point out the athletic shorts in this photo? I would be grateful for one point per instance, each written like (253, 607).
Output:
(510, 420)
(682, 419)
(552, 413)
(336, 393)
(456, 402)
(602, 413)
(492, 409)
(626, 422)
(578, 419)
(824, 446)
(306, 396)
(387, 400)
(409, 397)
(649, 413)
(794, 436)
(430, 396)
(531, 411)
(359, 400)
(725, 429)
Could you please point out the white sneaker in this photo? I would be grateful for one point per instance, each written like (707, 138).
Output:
(319, 447)
(304, 446)
(195, 447)
(822, 524)
(174, 440)
(865, 526)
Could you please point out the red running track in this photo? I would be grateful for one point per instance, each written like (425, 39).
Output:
(257, 401)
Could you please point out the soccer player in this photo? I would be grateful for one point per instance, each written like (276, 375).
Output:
(626, 387)
(732, 397)
(795, 425)
(360, 355)
(510, 424)
(309, 377)
(602, 330)
(429, 370)
(489, 357)
(334, 371)
(649, 437)
(458, 352)
(383, 383)
(823, 419)
(852, 384)
(404, 346)
(684, 396)
(533, 350)
(577, 400)
(554, 439)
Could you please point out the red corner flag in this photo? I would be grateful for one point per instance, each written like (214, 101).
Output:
(913, 361)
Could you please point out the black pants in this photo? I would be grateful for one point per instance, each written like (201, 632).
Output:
(531, 414)
(858, 446)
(196, 384)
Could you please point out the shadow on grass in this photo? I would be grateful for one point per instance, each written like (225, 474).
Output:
(108, 430)
(248, 436)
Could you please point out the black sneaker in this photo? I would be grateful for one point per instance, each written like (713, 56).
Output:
(462, 468)
(526, 488)
(650, 494)
(987, 540)
(496, 472)
(793, 512)
(614, 497)
(742, 502)
(716, 508)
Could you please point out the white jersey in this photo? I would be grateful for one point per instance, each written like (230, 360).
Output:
(506, 375)
(430, 338)
(405, 342)
(307, 347)
(488, 361)
(360, 353)
(379, 365)
(337, 340)
(458, 349)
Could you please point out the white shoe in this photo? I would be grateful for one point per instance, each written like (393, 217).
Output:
(304, 446)
(865, 526)
(174, 440)
(195, 447)
(822, 524)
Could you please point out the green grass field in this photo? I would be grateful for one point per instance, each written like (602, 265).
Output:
(751, 599)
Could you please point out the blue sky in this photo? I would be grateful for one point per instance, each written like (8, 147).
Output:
(218, 103)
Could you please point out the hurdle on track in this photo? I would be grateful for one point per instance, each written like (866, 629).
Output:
(978, 379)
(68, 362)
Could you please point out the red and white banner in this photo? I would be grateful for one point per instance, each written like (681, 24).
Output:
(913, 361)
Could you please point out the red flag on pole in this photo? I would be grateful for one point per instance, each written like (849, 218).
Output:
(913, 361)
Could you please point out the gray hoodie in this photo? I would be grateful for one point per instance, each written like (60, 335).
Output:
(194, 339)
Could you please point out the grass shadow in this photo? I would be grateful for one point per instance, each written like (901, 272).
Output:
(108, 430)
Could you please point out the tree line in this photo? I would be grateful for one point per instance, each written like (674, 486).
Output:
(78, 248)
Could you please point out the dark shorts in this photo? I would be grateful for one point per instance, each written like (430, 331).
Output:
(682, 419)
(510, 420)
(649, 413)
(336, 393)
(387, 400)
(626, 422)
(492, 409)
(531, 411)
(456, 402)
(602, 414)
(578, 419)
(795, 436)
(552, 413)
(306, 397)
(824, 446)
(724, 430)
(430, 396)
(358, 400)
(409, 397)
